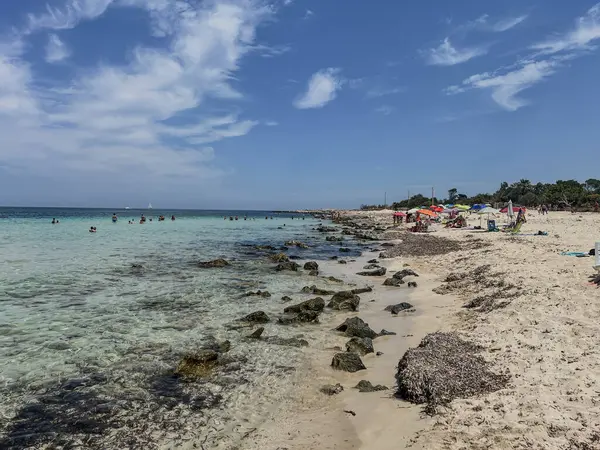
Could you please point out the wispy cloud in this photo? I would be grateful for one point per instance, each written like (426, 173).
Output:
(386, 110)
(506, 24)
(486, 24)
(56, 50)
(447, 55)
(308, 14)
(271, 123)
(67, 17)
(383, 92)
(322, 88)
(507, 83)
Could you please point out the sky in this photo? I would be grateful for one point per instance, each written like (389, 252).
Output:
(283, 104)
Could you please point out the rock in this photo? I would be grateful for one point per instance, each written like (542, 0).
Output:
(379, 353)
(311, 265)
(286, 299)
(371, 266)
(412, 284)
(344, 301)
(341, 261)
(255, 317)
(197, 365)
(366, 386)
(265, 247)
(374, 273)
(405, 273)
(289, 265)
(315, 304)
(301, 317)
(355, 326)
(314, 273)
(315, 290)
(373, 261)
(324, 229)
(334, 239)
(288, 342)
(345, 250)
(224, 346)
(279, 258)
(330, 389)
(294, 257)
(333, 257)
(387, 333)
(362, 290)
(395, 309)
(393, 282)
(362, 346)
(334, 279)
(257, 333)
(296, 244)
(213, 264)
(263, 294)
(387, 244)
(348, 362)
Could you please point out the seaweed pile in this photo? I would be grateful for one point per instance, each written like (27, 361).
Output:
(414, 244)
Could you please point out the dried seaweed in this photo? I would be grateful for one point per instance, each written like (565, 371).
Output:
(421, 245)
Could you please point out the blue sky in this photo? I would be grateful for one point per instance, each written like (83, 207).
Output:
(291, 103)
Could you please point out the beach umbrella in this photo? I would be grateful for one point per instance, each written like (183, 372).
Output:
(477, 207)
(462, 207)
(426, 212)
(412, 211)
(399, 214)
(449, 211)
(436, 209)
(510, 210)
(488, 210)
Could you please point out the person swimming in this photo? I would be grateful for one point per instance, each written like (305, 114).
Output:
(172, 217)
(114, 218)
(54, 221)
(92, 229)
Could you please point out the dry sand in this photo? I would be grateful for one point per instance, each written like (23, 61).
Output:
(539, 320)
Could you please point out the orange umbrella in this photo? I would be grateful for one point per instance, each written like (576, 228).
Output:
(436, 209)
(426, 212)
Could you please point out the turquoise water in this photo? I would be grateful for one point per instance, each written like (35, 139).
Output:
(93, 324)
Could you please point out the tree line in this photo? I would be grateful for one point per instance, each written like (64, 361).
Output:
(563, 194)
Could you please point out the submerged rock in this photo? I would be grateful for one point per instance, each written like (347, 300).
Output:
(330, 389)
(367, 386)
(334, 279)
(373, 261)
(257, 333)
(334, 239)
(371, 266)
(213, 264)
(393, 282)
(395, 309)
(289, 265)
(197, 365)
(314, 273)
(362, 290)
(374, 273)
(345, 250)
(311, 265)
(362, 346)
(341, 261)
(314, 304)
(301, 317)
(263, 294)
(255, 317)
(315, 290)
(296, 244)
(348, 362)
(279, 258)
(286, 299)
(412, 284)
(287, 342)
(387, 333)
(405, 273)
(355, 326)
(344, 301)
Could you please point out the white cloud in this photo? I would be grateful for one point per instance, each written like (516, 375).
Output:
(484, 24)
(288, 2)
(56, 50)
(386, 110)
(308, 14)
(271, 123)
(322, 88)
(141, 117)
(448, 55)
(508, 23)
(382, 92)
(586, 31)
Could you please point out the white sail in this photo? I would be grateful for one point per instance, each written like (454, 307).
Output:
(149, 205)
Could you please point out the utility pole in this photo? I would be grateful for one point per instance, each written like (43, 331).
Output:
(385, 199)
(408, 198)
(432, 195)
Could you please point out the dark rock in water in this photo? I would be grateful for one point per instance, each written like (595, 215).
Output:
(301, 317)
(330, 389)
(263, 294)
(412, 284)
(288, 342)
(362, 346)
(393, 282)
(333, 257)
(366, 237)
(255, 317)
(344, 301)
(311, 265)
(283, 247)
(296, 244)
(265, 247)
(324, 229)
(286, 299)
(374, 273)
(315, 304)
(395, 309)
(373, 261)
(257, 333)
(212, 264)
(371, 266)
(314, 273)
(362, 290)
(366, 386)
(334, 239)
(379, 353)
(355, 326)
(294, 257)
(405, 273)
(287, 266)
(341, 261)
(279, 258)
(198, 365)
(224, 346)
(337, 280)
(348, 362)
(345, 250)
(315, 290)
(387, 244)
(387, 333)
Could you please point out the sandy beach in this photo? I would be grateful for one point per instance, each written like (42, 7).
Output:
(532, 310)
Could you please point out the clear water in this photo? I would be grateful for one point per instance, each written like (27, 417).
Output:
(93, 324)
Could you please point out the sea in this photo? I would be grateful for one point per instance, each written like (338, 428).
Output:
(93, 325)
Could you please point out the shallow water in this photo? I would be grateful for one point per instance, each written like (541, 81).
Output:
(92, 325)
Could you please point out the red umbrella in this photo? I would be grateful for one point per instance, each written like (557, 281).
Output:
(515, 209)
(436, 208)
(399, 214)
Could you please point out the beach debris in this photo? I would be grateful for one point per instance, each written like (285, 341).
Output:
(301, 317)
(489, 302)
(279, 258)
(348, 362)
(367, 386)
(393, 282)
(355, 326)
(263, 294)
(384, 332)
(348, 411)
(289, 265)
(344, 301)
(331, 389)
(257, 333)
(216, 263)
(395, 309)
(374, 273)
(412, 284)
(255, 317)
(442, 368)
(296, 244)
(371, 266)
(197, 365)
(415, 244)
(314, 304)
(595, 279)
(313, 273)
(315, 290)
(311, 265)
(373, 261)
(400, 275)
(334, 238)
(362, 346)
